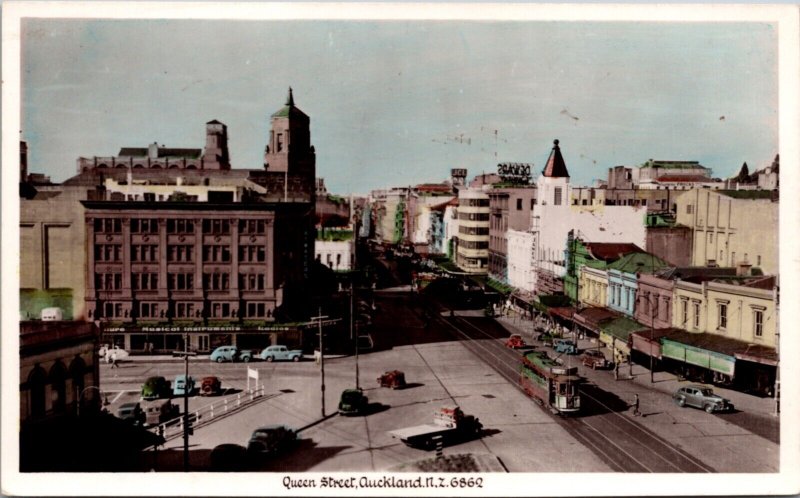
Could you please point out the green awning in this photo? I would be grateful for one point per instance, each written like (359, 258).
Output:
(621, 328)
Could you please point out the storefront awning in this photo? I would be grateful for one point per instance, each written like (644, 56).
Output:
(717, 347)
(591, 318)
(565, 312)
(649, 341)
(621, 328)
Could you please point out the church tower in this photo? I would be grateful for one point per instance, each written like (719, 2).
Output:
(289, 148)
(553, 184)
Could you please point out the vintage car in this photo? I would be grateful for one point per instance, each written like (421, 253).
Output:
(183, 386)
(515, 341)
(271, 440)
(131, 412)
(109, 353)
(394, 379)
(701, 397)
(230, 353)
(565, 346)
(159, 411)
(352, 402)
(278, 352)
(210, 386)
(595, 359)
(156, 387)
(228, 457)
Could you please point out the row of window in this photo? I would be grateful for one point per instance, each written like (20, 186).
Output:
(179, 226)
(722, 316)
(473, 230)
(189, 310)
(473, 216)
(148, 253)
(180, 281)
(471, 244)
(474, 202)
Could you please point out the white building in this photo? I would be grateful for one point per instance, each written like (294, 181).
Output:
(472, 254)
(554, 217)
(521, 262)
(336, 255)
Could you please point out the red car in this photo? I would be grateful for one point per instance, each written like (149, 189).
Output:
(394, 379)
(515, 341)
(211, 386)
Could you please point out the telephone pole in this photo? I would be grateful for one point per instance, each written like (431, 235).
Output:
(319, 319)
(186, 429)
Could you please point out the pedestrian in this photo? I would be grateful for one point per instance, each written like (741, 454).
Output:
(636, 411)
(616, 369)
(114, 360)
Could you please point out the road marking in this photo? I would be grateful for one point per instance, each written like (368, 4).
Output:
(118, 396)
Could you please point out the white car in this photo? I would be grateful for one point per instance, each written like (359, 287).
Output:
(106, 352)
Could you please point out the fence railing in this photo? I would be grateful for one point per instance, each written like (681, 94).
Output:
(173, 428)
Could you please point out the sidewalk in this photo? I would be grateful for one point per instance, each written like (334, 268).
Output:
(639, 382)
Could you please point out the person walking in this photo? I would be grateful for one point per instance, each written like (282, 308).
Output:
(114, 360)
(636, 411)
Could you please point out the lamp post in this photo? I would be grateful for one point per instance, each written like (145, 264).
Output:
(319, 319)
(186, 430)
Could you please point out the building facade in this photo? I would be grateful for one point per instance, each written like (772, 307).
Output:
(472, 254)
(731, 227)
(510, 209)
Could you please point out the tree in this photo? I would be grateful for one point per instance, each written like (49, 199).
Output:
(744, 174)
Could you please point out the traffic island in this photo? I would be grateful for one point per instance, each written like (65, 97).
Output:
(463, 462)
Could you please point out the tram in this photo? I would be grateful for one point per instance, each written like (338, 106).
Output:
(551, 384)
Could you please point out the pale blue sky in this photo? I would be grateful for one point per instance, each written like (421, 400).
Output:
(387, 99)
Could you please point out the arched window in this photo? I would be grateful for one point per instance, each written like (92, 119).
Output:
(173, 166)
(156, 166)
(191, 166)
(122, 165)
(102, 165)
(137, 166)
(77, 369)
(58, 387)
(37, 381)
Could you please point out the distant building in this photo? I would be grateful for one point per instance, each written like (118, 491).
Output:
(472, 254)
(730, 227)
(510, 208)
(521, 269)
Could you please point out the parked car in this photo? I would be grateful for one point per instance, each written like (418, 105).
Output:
(159, 411)
(156, 387)
(228, 458)
(546, 338)
(230, 353)
(271, 440)
(515, 341)
(107, 351)
(394, 379)
(183, 386)
(701, 397)
(131, 412)
(352, 402)
(210, 386)
(277, 352)
(565, 346)
(595, 359)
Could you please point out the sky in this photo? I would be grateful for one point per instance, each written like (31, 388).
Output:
(396, 103)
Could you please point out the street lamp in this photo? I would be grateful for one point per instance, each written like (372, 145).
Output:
(319, 319)
(186, 354)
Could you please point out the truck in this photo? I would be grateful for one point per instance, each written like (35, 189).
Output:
(450, 425)
(278, 352)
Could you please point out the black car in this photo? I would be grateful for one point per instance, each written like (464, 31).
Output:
(131, 412)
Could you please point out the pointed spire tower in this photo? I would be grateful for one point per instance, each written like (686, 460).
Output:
(555, 167)
(289, 147)
(553, 184)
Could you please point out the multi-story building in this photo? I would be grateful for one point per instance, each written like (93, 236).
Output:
(510, 208)
(472, 254)
(521, 249)
(185, 247)
(656, 184)
(731, 227)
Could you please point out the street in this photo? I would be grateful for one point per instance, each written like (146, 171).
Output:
(449, 360)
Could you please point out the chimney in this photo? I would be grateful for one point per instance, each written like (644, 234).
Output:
(152, 150)
(743, 269)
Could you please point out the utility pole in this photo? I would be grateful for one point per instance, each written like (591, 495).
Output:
(186, 429)
(319, 319)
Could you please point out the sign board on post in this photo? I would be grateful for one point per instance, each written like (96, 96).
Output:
(252, 373)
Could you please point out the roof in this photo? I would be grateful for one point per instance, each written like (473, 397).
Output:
(685, 178)
(610, 251)
(162, 152)
(289, 110)
(694, 273)
(747, 194)
(555, 166)
(593, 317)
(564, 311)
(669, 164)
(442, 206)
(638, 262)
(727, 346)
(621, 327)
(434, 187)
